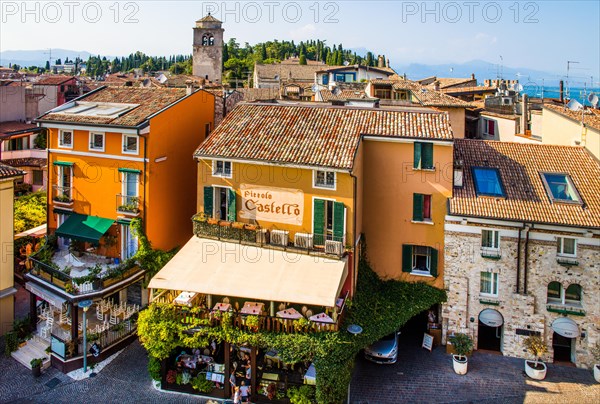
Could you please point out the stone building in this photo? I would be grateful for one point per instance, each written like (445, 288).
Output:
(208, 49)
(522, 238)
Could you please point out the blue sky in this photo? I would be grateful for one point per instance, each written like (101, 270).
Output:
(539, 35)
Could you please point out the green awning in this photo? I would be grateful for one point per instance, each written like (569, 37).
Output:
(63, 163)
(129, 170)
(62, 211)
(84, 228)
(126, 222)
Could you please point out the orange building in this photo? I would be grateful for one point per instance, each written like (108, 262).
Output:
(120, 153)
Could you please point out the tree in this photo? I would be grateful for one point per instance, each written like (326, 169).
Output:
(47, 65)
(302, 59)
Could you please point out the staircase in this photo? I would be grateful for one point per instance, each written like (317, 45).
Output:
(34, 348)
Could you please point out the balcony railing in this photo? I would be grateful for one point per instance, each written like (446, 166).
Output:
(242, 233)
(22, 154)
(62, 195)
(128, 205)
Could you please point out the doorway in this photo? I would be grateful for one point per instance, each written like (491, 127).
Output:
(489, 338)
(563, 348)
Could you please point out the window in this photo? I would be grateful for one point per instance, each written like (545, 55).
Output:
(325, 79)
(328, 221)
(129, 242)
(130, 184)
(566, 246)
(421, 208)
(560, 188)
(206, 129)
(559, 295)
(65, 138)
(419, 260)
(489, 284)
(97, 141)
(38, 177)
(490, 239)
(222, 168)
(401, 95)
(220, 203)
(19, 143)
(423, 156)
(383, 93)
(489, 127)
(324, 179)
(130, 144)
(64, 183)
(487, 182)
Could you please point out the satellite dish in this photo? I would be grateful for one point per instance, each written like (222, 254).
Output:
(276, 77)
(146, 83)
(593, 99)
(574, 105)
(518, 87)
(314, 88)
(346, 63)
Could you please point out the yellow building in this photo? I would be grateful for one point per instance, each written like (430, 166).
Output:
(7, 289)
(562, 126)
(285, 195)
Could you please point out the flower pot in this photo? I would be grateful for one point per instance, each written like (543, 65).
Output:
(537, 371)
(597, 372)
(36, 371)
(460, 364)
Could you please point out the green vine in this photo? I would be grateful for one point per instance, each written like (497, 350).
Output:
(149, 259)
(379, 307)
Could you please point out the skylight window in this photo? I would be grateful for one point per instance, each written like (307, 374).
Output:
(99, 109)
(560, 188)
(487, 182)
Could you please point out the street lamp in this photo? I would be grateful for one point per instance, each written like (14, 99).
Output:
(85, 305)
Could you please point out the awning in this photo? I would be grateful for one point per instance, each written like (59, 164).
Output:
(566, 327)
(84, 228)
(129, 170)
(34, 232)
(236, 270)
(491, 318)
(50, 297)
(63, 163)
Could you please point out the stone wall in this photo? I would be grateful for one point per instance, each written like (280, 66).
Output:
(521, 311)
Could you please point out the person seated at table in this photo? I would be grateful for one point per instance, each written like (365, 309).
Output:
(245, 392)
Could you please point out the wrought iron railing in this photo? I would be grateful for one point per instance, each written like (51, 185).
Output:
(62, 194)
(128, 204)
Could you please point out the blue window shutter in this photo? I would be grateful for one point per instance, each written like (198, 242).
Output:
(417, 154)
(208, 201)
(319, 221)
(338, 221)
(406, 258)
(231, 212)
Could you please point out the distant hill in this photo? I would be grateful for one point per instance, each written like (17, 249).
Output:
(482, 70)
(39, 57)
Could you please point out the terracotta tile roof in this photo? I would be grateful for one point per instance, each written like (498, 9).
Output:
(342, 95)
(468, 89)
(53, 80)
(313, 134)
(9, 172)
(591, 117)
(520, 165)
(446, 82)
(296, 61)
(388, 70)
(26, 162)
(286, 71)
(427, 96)
(208, 18)
(150, 100)
(13, 127)
(259, 94)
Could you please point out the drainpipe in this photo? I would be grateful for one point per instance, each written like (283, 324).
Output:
(354, 260)
(146, 175)
(519, 260)
(526, 258)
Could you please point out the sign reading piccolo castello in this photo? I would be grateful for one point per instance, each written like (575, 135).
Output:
(278, 205)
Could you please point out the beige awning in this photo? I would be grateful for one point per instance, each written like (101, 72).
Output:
(235, 270)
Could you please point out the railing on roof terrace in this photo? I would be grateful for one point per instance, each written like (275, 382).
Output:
(242, 233)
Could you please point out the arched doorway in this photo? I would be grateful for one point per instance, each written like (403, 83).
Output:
(490, 329)
(563, 339)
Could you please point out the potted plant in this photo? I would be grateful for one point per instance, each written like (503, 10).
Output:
(535, 369)
(36, 366)
(596, 354)
(252, 323)
(463, 344)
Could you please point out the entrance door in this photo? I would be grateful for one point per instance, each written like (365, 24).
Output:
(489, 338)
(563, 347)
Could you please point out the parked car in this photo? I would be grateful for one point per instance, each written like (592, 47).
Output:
(384, 351)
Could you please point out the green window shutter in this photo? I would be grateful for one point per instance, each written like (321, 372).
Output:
(208, 201)
(427, 158)
(319, 221)
(231, 212)
(418, 207)
(338, 221)
(417, 160)
(407, 258)
(434, 262)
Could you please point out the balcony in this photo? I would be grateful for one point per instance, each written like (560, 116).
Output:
(289, 319)
(491, 253)
(128, 205)
(249, 234)
(62, 196)
(24, 154)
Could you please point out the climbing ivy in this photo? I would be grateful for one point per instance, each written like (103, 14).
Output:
(380, 307)
(148, 258)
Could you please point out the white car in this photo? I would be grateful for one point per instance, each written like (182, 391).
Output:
(384, 351)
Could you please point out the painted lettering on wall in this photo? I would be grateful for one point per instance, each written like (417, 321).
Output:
(277, 205)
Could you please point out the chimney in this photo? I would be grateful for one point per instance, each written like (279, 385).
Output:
(524, 115)
(472, 76)
(188, 87)
(380, 61)
(387, 63)
(202, 82)
(458, 174)
(404, 76)
(561, 90)
(436, 85)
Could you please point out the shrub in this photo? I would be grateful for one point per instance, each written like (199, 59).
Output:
(36, 362)
(536, 346)
(301, 395)
(154, 368)
(201, 384)
(463, 344)
(11, 343)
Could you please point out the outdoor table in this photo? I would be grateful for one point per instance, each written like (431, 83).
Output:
(222, 307)
(272, 377)
(322, 318)
(185, 298)
(290, 313)
(310, 377)
(252, 308)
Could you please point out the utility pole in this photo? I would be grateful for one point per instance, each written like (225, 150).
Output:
(49, 53)
(569, 63)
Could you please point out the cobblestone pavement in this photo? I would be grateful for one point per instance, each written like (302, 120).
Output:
(421, 376)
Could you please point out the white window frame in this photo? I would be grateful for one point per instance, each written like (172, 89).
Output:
(91, 138)
(486, 125)
(494, 284)
(137, 144)
(495, 235)
(416, 271)
(562, 301)
(222, 175)
(61, 144)
(560, 247)
(59, 182)
(330, 188)
(127, 231)
(124, 184)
